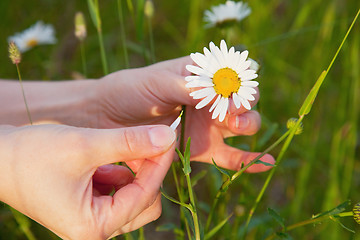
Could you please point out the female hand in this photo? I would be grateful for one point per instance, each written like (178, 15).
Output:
(154, 95)
(61, 177)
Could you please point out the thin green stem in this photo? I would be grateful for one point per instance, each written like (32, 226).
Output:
(182, 133)
(272, 171)
(178, 189)
(152, 45)
(194, 211)
(312, 221)
(228, 182)
(123, 33)
(23, 93)
(83, 58)
(102, 52)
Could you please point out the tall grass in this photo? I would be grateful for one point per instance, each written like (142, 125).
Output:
(293, 41)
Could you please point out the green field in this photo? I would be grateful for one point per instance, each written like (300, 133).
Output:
(294, 41)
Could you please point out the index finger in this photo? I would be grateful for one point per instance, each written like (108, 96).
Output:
(134, 198)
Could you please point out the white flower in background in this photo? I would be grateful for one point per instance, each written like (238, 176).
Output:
(37, 34)
(222, 75)
(225, 13)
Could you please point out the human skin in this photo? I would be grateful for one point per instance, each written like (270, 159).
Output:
(133, 97)
(61, 176)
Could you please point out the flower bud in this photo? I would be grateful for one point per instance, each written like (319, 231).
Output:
(149, 9)
(80, 26)
(14, 53)
(291, 123)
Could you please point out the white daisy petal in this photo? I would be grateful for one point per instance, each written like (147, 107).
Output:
(236, 100)
(202, 93)
(218, 55)
(250, 84)
(199, 83)
(245, 103)
(199, 59)
(205, 101)
(242, 66)
(197, 70)
(215, 103)
(224, 109)
(249, 89)
(218, 108)
(245, 94)
(191, 78)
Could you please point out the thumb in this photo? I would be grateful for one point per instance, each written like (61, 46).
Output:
(126, 144)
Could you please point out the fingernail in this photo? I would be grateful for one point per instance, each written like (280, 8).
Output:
(162, 136)
(241, 122)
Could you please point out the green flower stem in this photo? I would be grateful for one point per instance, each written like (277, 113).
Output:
(228, 182)
(312, 221)
(193, 206)
(272, 171)
(23, 93)
(182, 202)
(122, 33)
(182, 133)
(83, 58)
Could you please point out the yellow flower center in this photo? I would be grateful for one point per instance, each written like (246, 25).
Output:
(226, 81)
(32, 43)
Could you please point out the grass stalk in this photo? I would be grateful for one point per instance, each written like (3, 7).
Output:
(151, 39)
(102, 52)
(230, 180)
(23, 93)
(272, 171)
(83, 58)
(313, 221)
(123, 33)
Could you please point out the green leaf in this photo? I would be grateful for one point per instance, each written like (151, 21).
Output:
(306, 106)
(213, 231)
(174, 200)
(336, 210)
(187, 168)
(264, 163)
(223, 171)
(180, 156)
(275, 215)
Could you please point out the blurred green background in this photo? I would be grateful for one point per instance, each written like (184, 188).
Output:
(293, 41)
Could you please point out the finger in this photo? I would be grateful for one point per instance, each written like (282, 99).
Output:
(111, 177)
(137, 196)
(148, 215)
(176, 66)
(247, 123)
(233, 158)
(104, 146)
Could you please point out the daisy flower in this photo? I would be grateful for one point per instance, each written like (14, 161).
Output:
(37, 34)
(225, 13)
(222, 75)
